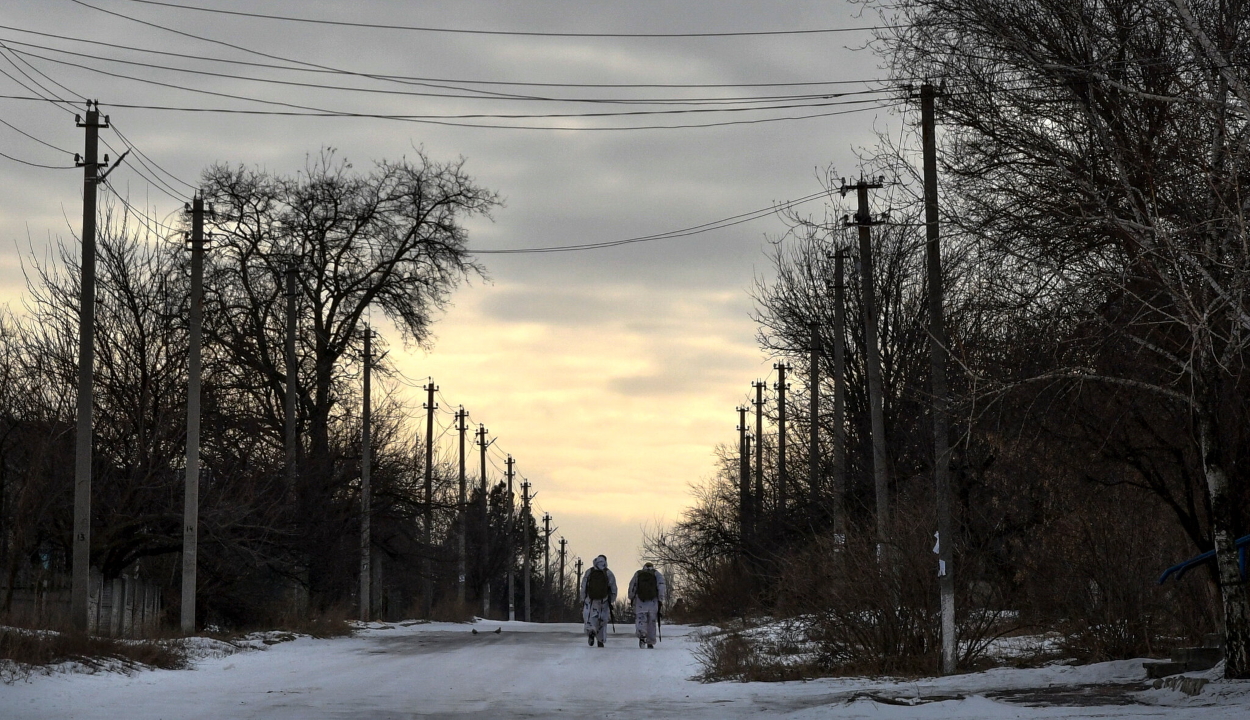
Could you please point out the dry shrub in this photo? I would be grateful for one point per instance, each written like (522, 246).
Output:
(866, 616)
(729, 588)
(453, 611)
(43, 648)
(734, 656)
(1093, 578)
(332, 621)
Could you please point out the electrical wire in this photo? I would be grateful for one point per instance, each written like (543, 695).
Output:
(377, 116)
(460, 116)
(422, 80)
(480, 95)
(146, 157)
(38, 165)
(56, 99)
(56, 102)
(32, 137)
(305, 63)
(522, 33)
(39, 72)
(685, 232)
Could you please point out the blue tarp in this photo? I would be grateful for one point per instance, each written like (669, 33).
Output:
(1181, 568)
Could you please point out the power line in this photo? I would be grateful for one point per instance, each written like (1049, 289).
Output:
(32, 137)
(146, 157)
(38, 165)
(305, 63)
(481, 95)
(684, 232)
(460, 116)
(420, 80)
(378, 116)
(58, 102)
(523, 33)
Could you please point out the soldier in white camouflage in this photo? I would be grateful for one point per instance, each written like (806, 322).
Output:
(597, 592)
(647, 591)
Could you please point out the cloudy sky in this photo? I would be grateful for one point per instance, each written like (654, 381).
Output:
(610, 374)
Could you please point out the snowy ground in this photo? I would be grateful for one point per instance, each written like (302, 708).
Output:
(443, 670)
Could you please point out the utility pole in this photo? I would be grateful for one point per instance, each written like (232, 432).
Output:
(292, 376)
(562, 587)
(941, 420)
(839, 397)
(813, 413)
(485, 554)
(427, 532)
(191, 496)
(781, 387)
(525, 544)
(881, 473)
(579, 580)
(744, 483)
(757, 506)
(546, 567)
(79, 590)
(511, 546)
(366, 461)
(461, 416)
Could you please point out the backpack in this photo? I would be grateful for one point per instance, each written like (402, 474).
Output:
(647, 588)
(597, 585)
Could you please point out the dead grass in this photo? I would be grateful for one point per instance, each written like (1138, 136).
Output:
(334, 621)
(732, 656)
(452, 611)
(43, 648)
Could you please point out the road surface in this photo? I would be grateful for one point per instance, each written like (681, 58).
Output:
(443, 670)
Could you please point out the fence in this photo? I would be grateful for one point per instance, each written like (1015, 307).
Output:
(123, 607)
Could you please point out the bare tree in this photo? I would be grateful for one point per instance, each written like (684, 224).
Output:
(1098, 149)
(392, 238)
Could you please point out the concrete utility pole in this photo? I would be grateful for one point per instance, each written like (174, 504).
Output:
(562, 587)
(580, 600)
(757, 506)
(525, 544)
(781, 386)
(744, 483)
(427, 587)
(937, 361)
(485, 553)
(191, 496)
(366, 462)
(510, 546)
(292, 376)
(813, 413)
(461, 508)
(754, 503)
(81, 579)
(881, 472)
(839, 397)
(546, 567)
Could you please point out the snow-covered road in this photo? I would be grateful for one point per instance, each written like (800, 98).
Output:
(546, 671)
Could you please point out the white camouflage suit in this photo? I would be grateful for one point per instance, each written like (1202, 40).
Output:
(647, 612)
(596, 614)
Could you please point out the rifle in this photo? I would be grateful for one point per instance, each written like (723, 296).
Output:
(612, 618)
(659, 623)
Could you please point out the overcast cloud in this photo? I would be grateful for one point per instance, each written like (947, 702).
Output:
(610, 374)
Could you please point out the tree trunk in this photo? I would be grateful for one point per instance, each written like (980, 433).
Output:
(1232, 589)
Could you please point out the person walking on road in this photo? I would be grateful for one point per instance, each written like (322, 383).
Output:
(647, 591)
(597, 593)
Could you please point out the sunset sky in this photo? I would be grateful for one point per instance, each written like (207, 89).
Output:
(610, 374)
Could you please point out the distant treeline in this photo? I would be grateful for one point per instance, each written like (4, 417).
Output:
(273, 544)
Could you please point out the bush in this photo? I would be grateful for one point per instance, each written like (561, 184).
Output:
(41, 648)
